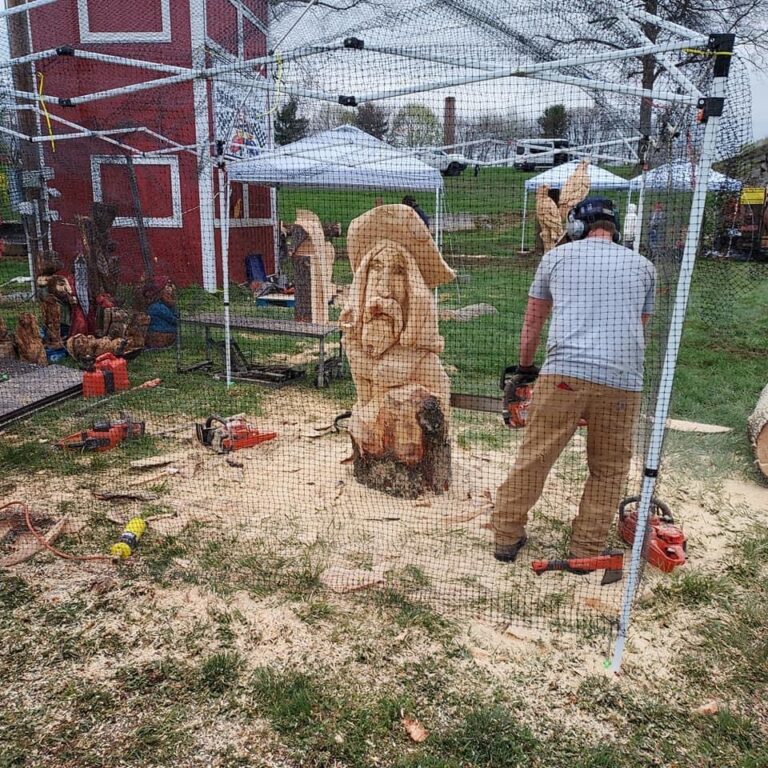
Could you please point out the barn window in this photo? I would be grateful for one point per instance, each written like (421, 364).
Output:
(158, 183)
(115, 21)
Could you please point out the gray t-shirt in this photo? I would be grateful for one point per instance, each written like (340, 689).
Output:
(599, 291)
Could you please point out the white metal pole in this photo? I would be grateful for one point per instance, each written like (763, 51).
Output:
(224, 198)
(439, 218)
(674, 337)
(640, 212)
(525, 211)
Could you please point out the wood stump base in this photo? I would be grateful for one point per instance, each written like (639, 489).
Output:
(389, 474)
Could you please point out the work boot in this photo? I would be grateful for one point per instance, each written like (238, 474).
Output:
(507, 553)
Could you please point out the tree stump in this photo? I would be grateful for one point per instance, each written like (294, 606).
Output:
(427, 463)
(757, 429)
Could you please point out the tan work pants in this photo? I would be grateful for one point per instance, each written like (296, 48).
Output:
(558, 404)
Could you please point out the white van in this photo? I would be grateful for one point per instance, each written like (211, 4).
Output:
(540, 153)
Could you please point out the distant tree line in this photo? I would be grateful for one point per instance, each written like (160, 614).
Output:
(486, 136)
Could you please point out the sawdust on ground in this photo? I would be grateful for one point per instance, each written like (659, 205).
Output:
(295, 499)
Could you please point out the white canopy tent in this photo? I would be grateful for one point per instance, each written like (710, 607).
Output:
(342, 158)
(681, 176)
(554, 178)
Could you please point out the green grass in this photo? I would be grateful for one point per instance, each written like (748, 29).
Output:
(161, 710)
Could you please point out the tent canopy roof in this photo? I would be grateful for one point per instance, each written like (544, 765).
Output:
(555, 177)
(343, 157)
(680, 176)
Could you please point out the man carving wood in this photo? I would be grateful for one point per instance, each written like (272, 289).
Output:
(399, 422)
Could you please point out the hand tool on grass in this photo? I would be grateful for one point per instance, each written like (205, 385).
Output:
(103, 435)
(611, 562)
(666, 544)
(230, 434)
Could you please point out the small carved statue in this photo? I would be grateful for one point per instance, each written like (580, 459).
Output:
(57, 304)
(85, 349)
(7, 348)
(28, 342)
(399, 424)
(160, 298)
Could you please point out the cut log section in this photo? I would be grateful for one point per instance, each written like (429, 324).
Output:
(757, 429)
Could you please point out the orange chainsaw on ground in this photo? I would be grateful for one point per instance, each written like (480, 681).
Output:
(103, 435)
(666, 545)
(230, 434)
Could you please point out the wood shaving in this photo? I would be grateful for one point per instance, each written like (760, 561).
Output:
(414, 729)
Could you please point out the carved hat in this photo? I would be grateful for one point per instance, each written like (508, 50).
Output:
(403, 226)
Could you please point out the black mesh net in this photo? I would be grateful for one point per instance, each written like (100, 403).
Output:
(400, 189)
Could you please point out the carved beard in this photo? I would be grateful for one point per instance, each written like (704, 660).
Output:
(383, 323)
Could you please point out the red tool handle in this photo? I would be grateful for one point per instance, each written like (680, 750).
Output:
(613, 562)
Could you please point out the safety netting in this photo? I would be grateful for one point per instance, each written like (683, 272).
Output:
(340, 316)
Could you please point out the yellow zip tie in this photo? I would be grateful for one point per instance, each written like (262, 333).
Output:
(698, 52)
(45, 110)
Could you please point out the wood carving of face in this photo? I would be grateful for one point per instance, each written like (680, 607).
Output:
(168, 294)
(59, 287)
(386, 300)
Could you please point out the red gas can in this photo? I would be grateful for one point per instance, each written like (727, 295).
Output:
(118, 368)
(108, 375)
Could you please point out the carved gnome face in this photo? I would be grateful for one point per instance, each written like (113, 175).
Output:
(59, 287)
(386, 300)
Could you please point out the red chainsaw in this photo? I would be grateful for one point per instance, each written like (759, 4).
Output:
(103, 435)
(666, 545)
(230, 434)
(517, 400)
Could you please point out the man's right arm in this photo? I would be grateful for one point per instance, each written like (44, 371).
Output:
(536, 314)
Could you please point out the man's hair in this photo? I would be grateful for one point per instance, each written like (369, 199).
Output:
(409, 200)
(604, 224)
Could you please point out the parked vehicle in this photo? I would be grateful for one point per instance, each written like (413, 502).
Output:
(447, 163)
(531, 154)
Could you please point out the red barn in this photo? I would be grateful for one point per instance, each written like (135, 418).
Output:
(154, 155)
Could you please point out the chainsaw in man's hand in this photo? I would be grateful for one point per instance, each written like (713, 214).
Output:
(516, 382)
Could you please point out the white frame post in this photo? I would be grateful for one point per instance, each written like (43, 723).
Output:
(224, 202)
(653, 455)
(525, 214)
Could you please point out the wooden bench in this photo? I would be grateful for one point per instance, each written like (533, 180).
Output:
(319, 331)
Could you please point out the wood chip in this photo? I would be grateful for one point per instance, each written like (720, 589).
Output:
(708, 709)
(27, 545)
(414, 729)
(680, 425)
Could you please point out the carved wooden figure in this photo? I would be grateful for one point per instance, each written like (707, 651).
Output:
(7, 348)
(548, 217)
(399, 424)
(28, 341)
(575, 189)
(321, 256)
(88, 348)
